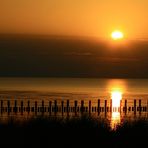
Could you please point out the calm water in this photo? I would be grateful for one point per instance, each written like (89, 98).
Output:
(74, 85)
(38, 89)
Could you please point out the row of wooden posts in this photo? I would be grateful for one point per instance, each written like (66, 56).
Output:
(54, 107)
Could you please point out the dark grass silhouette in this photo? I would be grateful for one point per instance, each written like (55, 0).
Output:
(72, 132)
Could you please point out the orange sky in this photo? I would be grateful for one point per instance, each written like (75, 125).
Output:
(75, 17)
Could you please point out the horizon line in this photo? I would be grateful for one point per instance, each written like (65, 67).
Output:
(69, 36)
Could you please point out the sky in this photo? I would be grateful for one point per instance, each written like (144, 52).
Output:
(75, 17)
(67, 38)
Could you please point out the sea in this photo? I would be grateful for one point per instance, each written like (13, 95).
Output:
(125, 94)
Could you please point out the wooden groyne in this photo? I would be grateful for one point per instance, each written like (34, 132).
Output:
(62, 106)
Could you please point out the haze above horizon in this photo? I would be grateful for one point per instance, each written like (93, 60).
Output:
(96, 18)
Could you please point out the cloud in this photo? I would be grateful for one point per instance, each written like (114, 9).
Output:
(79, 54)
(24, 56)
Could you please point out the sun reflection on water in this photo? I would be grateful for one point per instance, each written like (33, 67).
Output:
(116, 88)
(116, 97)
(115, 120)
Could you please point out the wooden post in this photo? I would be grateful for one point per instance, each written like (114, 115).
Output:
(62, 104)
(32, 109)
(36, 107)
(105, 106)
(147, 108)
(110, 105)
(140, 106)
(15, 106)
(86, 109)
(50, 107)
(55, 106)
(89, 106)
(8, 103)
(134, 106)
(82, 106)
(28, 108)
(98, 106)
(125, 106)
(67, 106)
(120, 106)
(116, 108)
(15, 103)
(95, 108)
(42, 108)
(75, 108)
(28, 103)
(1, 104)
(8, 106)
(107, 109)
(22, 104)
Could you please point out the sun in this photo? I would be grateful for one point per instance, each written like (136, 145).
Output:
(117, 35)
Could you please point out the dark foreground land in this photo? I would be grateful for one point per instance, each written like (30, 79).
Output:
(72, 132)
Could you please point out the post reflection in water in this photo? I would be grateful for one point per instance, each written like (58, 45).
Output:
(116, 97)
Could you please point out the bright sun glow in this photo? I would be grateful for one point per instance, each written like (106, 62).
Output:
(116, 97)
(116, 35)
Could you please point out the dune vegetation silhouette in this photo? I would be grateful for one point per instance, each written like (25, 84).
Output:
(67, 132)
